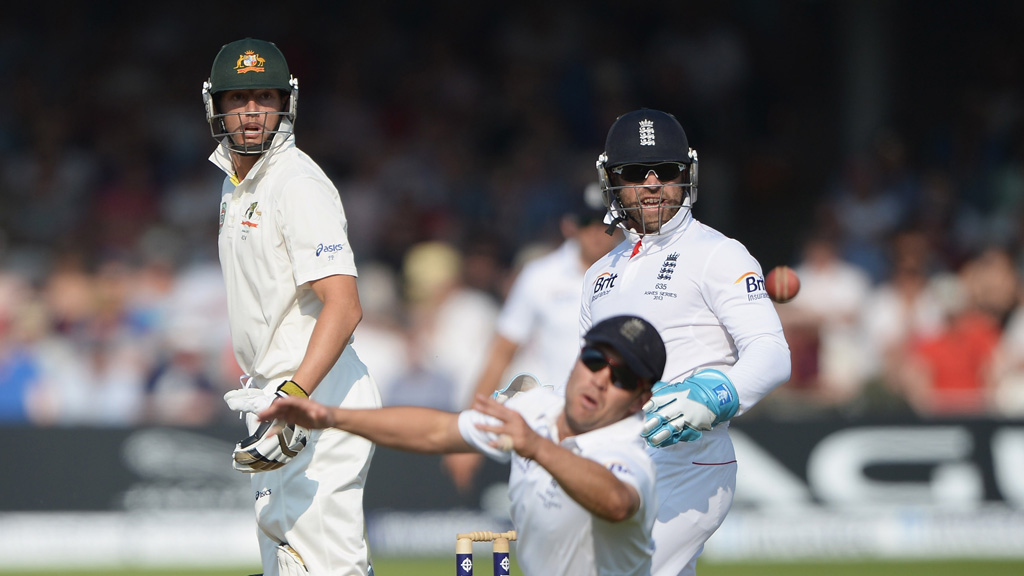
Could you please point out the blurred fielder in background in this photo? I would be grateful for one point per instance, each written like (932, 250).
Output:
(581, 482)
(705, 294)
(292, 306)
(538, 328)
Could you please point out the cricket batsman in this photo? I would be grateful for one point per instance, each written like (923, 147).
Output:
(292, 307)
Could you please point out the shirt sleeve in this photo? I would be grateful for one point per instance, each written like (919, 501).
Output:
(585, 319)
(315, 231)
(628, 469)
(632, 467)
(478, 439)
(750, 318)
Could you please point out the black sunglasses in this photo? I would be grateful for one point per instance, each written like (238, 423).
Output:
(637, 173)
(622, 377)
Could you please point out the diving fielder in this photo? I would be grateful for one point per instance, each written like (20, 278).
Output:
(581, 483)
(705, 294)
(292, 306)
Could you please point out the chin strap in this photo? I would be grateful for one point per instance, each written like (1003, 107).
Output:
(610, 230)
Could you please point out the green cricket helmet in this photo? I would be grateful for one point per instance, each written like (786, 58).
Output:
(250, 64)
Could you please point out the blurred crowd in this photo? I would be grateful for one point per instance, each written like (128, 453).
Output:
(456, 149)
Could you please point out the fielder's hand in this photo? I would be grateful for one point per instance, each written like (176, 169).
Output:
(512, 432)
(257, 453)
(680, 411)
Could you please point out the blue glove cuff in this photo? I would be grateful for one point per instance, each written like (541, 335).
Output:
(725, 401)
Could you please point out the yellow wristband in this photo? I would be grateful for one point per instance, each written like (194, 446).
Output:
(290, 388)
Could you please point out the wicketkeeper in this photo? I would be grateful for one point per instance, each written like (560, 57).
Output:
(705, 294)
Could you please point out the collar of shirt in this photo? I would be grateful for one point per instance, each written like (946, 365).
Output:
(221, 157)
(677, 225)
(629, 427)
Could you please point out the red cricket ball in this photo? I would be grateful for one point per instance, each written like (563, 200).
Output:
(782, 284)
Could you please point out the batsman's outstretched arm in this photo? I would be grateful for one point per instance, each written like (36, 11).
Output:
(409, 428)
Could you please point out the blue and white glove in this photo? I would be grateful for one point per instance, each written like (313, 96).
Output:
(680, 411)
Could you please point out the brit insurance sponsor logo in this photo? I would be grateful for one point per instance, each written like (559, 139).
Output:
(603, 284)
(753, 284)
(330, 250)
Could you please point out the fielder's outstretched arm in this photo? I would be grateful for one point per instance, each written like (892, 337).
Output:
(409, 428)
(589, 483)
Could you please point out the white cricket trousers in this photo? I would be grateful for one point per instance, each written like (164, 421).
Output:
(695, 485)
(315, 502)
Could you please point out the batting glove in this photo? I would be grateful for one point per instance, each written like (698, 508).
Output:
(682, 411)
(256, 453)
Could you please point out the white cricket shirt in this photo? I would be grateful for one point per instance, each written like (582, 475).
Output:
(557, 535)
(281, 227)
(541, 315)
(705, 294)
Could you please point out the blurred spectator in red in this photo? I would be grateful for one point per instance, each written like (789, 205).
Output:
(950, 373)
(898, 312)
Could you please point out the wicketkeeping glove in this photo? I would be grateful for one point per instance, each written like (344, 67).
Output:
(680, 411)
(259, 454)
(517, 385)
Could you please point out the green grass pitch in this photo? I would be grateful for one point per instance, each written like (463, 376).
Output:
(446, 567)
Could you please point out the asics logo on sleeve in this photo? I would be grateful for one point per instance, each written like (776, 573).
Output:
(329, 248)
